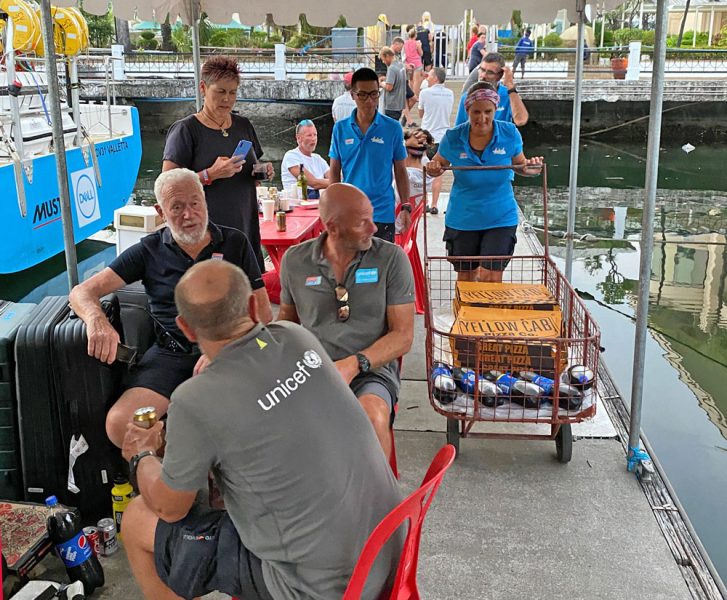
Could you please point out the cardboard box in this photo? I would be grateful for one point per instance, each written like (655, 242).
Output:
(480, 341)
(523, 296)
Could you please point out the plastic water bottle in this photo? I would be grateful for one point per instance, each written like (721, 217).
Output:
(121, 495)
(521, 392)
(580, 376)
(489, 394)
(569, 396)
(445, 389)
(64, 529)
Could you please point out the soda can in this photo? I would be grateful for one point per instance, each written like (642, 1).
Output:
(280, 223)
(145, 417)
(107, 535)
(94, 540)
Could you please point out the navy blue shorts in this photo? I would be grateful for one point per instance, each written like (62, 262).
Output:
(499, 241)
(161, 370)
(385, 231)
(203, 553)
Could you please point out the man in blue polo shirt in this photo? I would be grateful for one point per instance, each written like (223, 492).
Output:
(493, 70)
(364, 147)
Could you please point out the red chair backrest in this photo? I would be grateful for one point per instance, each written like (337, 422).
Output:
(413, 509)
(404, 239)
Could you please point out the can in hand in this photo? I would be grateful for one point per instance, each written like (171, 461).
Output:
(280, 223)
(107, 535)
(145, 417)
(94, 540)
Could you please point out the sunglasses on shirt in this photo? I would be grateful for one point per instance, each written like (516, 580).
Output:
(344, 310)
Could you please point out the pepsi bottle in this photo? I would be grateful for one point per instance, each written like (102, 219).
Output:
(64, 529)
(443, 384)
(581, 377)
(569, 396)
(489, 395)
(525, 393)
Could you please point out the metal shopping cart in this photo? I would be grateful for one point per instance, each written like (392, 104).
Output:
(523, 351)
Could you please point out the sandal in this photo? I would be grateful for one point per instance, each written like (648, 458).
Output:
(434, 210)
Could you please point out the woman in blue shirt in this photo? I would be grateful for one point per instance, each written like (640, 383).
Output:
(482, 214)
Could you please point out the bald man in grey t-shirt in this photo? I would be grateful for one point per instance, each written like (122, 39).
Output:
(302, 476)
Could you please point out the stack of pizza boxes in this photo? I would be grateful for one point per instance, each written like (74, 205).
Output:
(507, 327)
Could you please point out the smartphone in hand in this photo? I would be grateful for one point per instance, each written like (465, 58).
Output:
(243, 147)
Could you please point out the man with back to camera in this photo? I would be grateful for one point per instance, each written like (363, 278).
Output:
(394, 84)
(302, 477)
(158, 261)
(523, 50)
(356, 294)
(493, 70)
(435, 109)
(344, 104)
(315, 168)
(364, 147)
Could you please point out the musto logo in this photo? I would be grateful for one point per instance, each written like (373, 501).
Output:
(286, 387)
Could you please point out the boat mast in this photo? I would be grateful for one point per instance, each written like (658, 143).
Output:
(46, 20)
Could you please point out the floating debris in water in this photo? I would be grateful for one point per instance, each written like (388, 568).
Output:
(688, 148)
(616, 178)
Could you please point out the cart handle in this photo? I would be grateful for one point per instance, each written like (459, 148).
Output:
(516, 168)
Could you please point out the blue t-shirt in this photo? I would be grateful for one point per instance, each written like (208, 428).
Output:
(367, 160)
(503, 112)
(524, 46)
(482, 199)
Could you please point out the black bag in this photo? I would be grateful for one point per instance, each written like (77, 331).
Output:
(136, 321)
(11, 316)
(64, 394)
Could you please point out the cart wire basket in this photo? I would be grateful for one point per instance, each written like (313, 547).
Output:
(534, 359)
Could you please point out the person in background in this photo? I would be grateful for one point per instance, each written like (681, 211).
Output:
(159, 260)
(417, 141)
(394, 84)
(482, 214)
(365, 147)
(523, 51)
(477, 52)
(355, 293)
(435, 109)
(344, 104)
(302, 477)
(413, 60)
(316, 169)
(397, 45)
(492, 69)
(425, 34)
(205, 141)
(475, 34)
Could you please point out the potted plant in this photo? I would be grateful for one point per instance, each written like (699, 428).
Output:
(619, 64)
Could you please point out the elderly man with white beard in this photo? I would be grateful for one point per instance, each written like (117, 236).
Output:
(159, 260)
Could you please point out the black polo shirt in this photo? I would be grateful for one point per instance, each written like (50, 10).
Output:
(159, 263)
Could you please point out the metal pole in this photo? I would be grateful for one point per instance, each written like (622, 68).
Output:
(575, 141)
(46, 20)
(196, 61)
(647, 225)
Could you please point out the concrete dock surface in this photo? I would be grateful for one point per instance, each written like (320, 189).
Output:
(509, 521)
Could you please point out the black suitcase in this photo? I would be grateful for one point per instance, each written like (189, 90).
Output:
(11, 316)
(63, 394)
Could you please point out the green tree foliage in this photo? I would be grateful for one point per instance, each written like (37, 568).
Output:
(147, 41)
(552, 40)
(101, 29)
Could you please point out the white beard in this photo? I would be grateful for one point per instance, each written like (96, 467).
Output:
(189, 239)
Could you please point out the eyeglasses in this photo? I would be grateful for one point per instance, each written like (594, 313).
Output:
(344, 310)
(363, 96)
(491, 73)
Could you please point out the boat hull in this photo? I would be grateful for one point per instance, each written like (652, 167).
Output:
(37, 235)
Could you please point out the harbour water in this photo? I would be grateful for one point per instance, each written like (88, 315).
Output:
(685, 403)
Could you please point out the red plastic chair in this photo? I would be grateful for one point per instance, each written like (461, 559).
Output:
(407, 240)
(413, 509)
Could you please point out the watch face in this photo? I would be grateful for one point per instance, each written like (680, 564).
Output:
(363, 363)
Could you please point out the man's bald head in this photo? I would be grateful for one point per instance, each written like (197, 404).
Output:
(339, 200)
(213, 299)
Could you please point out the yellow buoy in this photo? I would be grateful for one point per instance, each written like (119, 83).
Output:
(26, 24)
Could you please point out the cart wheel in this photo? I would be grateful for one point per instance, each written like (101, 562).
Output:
(453, 434)
(564, 443)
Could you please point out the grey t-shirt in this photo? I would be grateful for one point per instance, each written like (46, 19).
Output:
(396, 75)
(377, 278)
(296, 458)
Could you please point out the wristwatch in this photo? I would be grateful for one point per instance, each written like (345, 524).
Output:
(406, 207)
(512, 90)
(364, 365)
(134, 464)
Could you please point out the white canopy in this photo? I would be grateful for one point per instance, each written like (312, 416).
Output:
(326, 13)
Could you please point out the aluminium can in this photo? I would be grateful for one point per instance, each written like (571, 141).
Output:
(94, 539)
(107, 535)
(145, 417)
(280, 221)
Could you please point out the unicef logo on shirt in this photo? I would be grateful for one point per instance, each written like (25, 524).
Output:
(312, 359)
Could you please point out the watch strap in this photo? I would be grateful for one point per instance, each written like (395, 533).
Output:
(512, 90)
(364, 364)
(134, 464)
